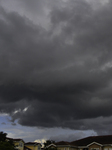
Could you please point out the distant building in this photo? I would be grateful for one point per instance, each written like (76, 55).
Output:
(88, 143)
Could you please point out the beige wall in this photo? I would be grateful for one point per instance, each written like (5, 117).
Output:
(29, 146)
(95, 146)
(66, 148)
(19, 147)
(52, 147)
(107, 147)
(32, 147)
(73, 148)
(100, 147)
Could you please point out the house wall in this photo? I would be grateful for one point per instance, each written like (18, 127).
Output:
(36, 147)
(32, 147)
(107, 147)
(17, 144)
(73, 148)
(94, 146)
(52, 147)
(66, 148)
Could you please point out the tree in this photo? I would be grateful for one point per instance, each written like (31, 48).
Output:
(4, 143)
(3, 136)
(47, 143)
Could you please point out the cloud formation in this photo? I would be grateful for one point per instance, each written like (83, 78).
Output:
(62, 73)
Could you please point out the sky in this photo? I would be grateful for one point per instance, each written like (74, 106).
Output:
(55, 69)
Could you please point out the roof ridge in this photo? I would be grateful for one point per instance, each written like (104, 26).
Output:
(91, 137)
(81, 139)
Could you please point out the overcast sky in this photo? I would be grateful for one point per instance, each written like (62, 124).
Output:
(55, 68)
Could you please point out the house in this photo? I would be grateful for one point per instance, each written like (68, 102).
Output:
(94, 143)
(50, 147)
(33, 145)
(88, 143)
(26, 148)
(19, 143)
(62, 145)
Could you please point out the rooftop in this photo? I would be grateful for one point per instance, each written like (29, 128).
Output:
(105, 139)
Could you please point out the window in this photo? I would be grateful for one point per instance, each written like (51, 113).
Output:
(39, 148)
(20, 144)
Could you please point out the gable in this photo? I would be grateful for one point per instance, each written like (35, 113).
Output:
(94, 144)
(51, 146)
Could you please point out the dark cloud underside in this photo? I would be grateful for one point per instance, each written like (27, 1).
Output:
(63, 75)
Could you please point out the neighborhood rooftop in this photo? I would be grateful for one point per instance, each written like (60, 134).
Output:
(31, 143)
(106, 139)
(103, 142)
(63, 143)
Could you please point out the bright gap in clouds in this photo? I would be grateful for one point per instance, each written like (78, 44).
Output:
(19, 110)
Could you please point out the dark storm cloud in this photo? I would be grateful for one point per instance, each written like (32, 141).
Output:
(61, 77)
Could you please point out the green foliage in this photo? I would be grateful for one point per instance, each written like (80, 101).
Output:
(4, 143)
(3, 136)
(48, 142)
(6, 146)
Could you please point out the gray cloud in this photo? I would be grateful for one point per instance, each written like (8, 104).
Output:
(61, 75)
(71, 137)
